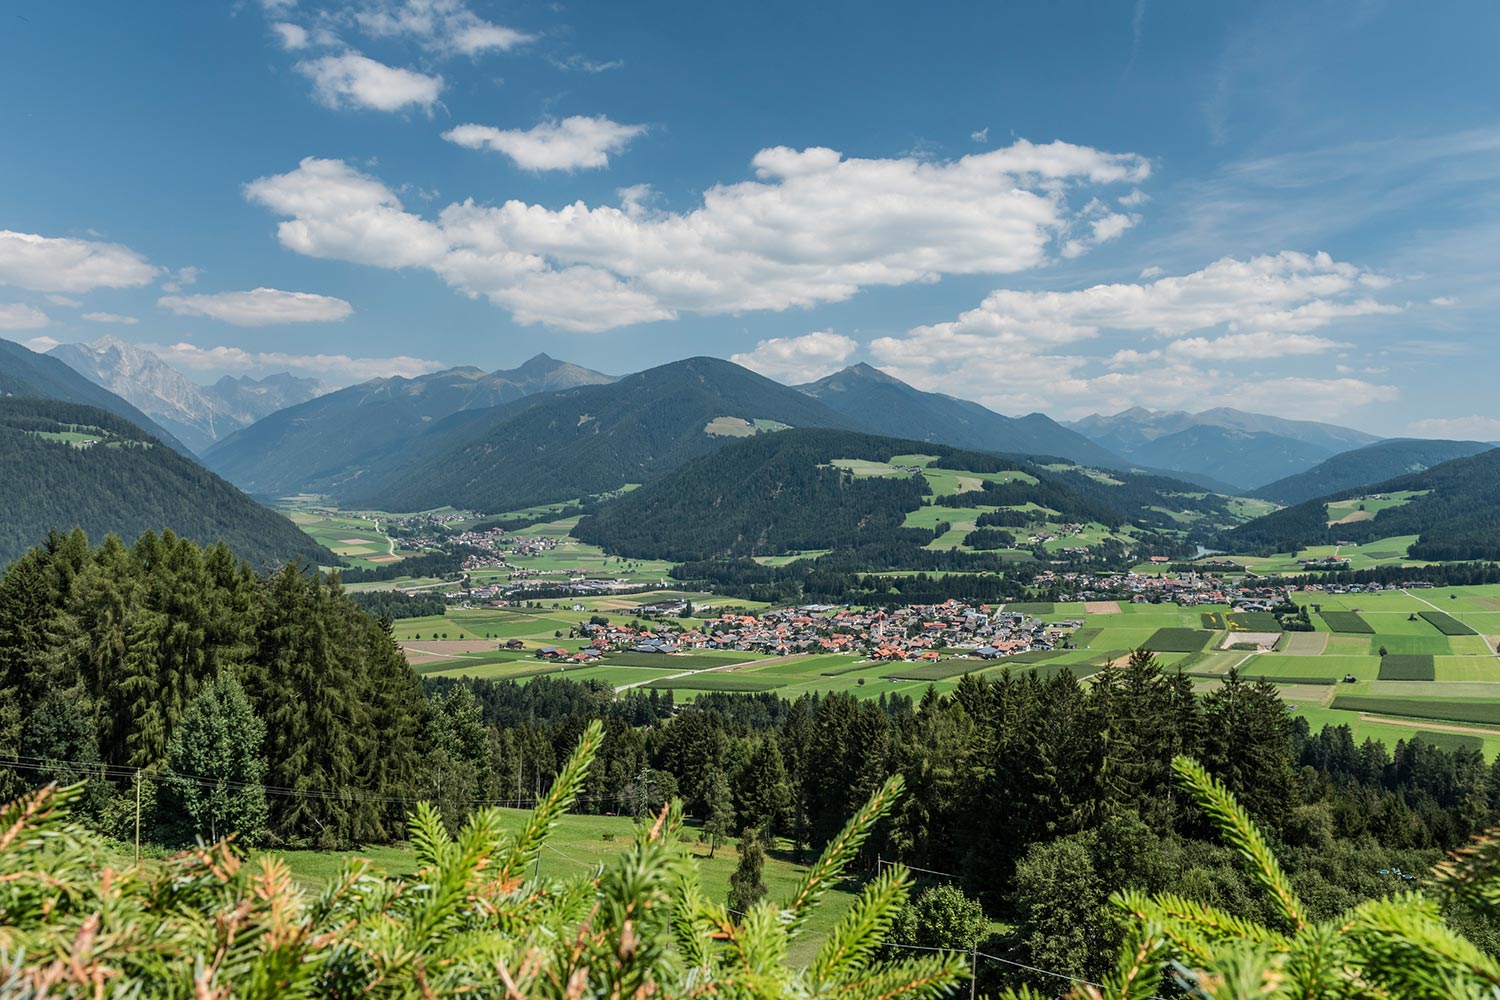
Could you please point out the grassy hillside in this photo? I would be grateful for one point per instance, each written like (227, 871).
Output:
(68, 465)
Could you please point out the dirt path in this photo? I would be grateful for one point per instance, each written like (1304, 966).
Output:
(1437, 727)
(1482, 637)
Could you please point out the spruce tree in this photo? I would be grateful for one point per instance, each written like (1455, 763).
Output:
(747, 885)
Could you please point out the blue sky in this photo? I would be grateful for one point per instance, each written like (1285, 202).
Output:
(1067, 207)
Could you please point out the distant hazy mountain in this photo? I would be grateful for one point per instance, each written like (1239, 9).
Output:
(315, 446)
(1454, 517)
(881, 404)
(587, 440)
(1243, 449)
(125, 483)
(198, 415)
(245, 400)
(24, 372)
(1371, 464)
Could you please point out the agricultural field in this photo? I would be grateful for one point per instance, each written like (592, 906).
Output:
(355, 537)
(1365, 508)
(1389, 551)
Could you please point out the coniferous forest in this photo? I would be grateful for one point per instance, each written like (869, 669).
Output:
(273, 707)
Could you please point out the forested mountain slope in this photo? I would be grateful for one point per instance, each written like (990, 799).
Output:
(124, 482)
(320, 444)
(804, 489)
(1455, 515)
(882, 404)
(1363, 466)
(24, 372)
(588, 440)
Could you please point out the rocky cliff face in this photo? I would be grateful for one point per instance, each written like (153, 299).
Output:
(196, 415)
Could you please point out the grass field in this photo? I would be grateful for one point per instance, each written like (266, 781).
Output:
(1482, 712)
(580, 843)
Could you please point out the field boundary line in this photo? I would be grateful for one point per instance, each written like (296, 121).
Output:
(1482, 637)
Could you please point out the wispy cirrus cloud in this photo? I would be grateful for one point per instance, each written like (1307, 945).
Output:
(812, 227)
(108, 317)
(259, 307)
(575, 143)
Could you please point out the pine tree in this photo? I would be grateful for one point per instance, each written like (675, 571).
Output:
(212, 784)
(746, 884)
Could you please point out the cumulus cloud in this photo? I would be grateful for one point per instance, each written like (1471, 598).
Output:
(799, 359)
(61, 264)
(352, 80)
(574, 143)
(338, 367)
(1017, 351)
(103, 317)
(1471, 428)
(41, 344)
(292, 36)
(259, 307)
(812, 227)
(20, 316)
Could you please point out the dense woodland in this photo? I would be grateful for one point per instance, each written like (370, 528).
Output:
(274, 706)
(1455, 520)
(129, 483)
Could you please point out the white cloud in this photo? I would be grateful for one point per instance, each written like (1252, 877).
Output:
(1473, 428)
(1288, 291)
(103, 317)
(1261, 344)
(446, 26)
(183, 277)
(292, 36)
(19, 316)
(334, 366)
(41, 344)
(259, 307)
(799, 359)
(1014, 351)
(353, 80)
(982, 135)
(1443, 300)
(574, 143)
(65, 301)
(1135, 199)
(812, 227)
(61, 264)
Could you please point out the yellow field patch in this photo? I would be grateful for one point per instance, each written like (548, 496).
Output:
(355, 541)
(383, 559)
(1358, 515)
(1102, 607)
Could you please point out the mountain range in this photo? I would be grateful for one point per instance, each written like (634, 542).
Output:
(1370, 464)
(1244, 450)
(1451, 510)
(24, 372)
(197, 415)
(325, 444)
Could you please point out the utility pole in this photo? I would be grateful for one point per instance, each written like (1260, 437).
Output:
(137, 817)
(973, 969)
